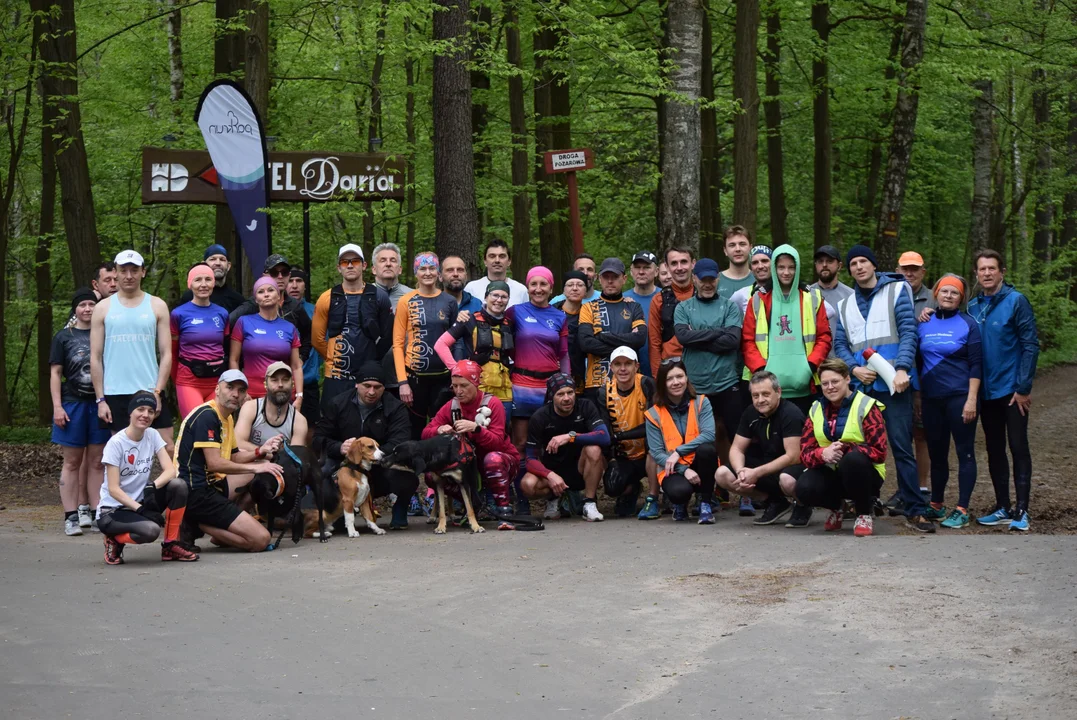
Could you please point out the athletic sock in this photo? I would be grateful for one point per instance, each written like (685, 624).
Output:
(589, 500)
(70, 514)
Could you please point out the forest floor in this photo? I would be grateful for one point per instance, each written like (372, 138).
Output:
(29, 473)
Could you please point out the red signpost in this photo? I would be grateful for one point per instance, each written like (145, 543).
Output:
(568, 162)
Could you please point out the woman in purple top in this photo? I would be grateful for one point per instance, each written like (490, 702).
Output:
(260, 340)
(199, 329)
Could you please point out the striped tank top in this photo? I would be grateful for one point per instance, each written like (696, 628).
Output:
(130, 355)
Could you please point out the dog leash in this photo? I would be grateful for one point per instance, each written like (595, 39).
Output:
(295, 506)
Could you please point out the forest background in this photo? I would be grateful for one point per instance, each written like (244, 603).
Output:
(941, 127)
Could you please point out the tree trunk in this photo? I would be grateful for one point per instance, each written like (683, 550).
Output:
(1018, 206)
(552, 132)
(229, 53)
(42, 263)
(1069, 202)
(174, 31)
(772, 114)
(521, 198)
(1044, 209)
(481, 20)
(373, 129)
(455, 216)
(409, 129)
(60, 87)
(820, 71)
(710, 198)
(681, 163)
(983, 143)
(875, 156)
(171, 238)
(746, 121)
(901, 139)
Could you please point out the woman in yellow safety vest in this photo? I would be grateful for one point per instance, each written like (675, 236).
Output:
(844, 450)
(680, 437)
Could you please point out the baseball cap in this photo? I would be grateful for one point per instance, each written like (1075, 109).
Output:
(645, 256)
(273, 261)
(351, 248)
(613, 265)
(277, 367)
(129, 257)
(911, 258)
(829, 251)
(231, 376)
(624, 352)
(705, 268)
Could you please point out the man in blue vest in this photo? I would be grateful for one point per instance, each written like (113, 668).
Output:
(879, 315)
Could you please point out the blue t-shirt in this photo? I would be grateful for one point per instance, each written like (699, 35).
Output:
(201, 332)
(645, 301)
(950, 353)
(540, 338)
(264, 343)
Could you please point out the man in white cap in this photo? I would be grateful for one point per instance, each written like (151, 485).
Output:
(352, 324)
(273, 415)
(622, 401)
(208, 460)
(130, 349)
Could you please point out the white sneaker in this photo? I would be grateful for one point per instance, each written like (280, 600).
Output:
(591, 513)
(85, 518)
(71, 526)
(553, 509)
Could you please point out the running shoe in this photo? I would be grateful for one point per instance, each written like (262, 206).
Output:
(415, 507)
(956, 520)
(591, 513)
(650, 509)
(85, 518)
(833, 521)
(553, 509)
(680, 513)
(896, 509)
(747, 509)
(775, 511)
(1020, 523)
(865, 525)
(113, 551)
(175, 551)
(920, 524)
(71, 526)
(190, 547)
(801, 516)
(848, 512)
(999, 517)
(894, 500)
(625, 506)
(933, 513)
(93, 526)
(706, 514)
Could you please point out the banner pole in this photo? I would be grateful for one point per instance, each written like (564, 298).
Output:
(306, 243)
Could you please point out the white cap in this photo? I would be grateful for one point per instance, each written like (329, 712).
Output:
(353, 248)
(625, 352)
(129, 257)
(231, 376)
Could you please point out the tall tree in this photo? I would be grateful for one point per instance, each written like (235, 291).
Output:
(681, 161)
(746, 122)
(772, 114)
(710, 196)
(481, 20)
(374, 117)
(901, 139)
(42, 263)
(1044, 209)
(983, 146)
(229, 53)
(409, 132)
(552, 132)
(455, 220)
(60, 87)
(875, 155)
(521, 197)
(820, 73)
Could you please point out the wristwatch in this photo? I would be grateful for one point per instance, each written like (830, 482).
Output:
(100, 400)
(572, 436)
(299, 395)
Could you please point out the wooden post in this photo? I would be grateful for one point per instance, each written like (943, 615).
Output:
(306, 243)
(574, 213)
(568, 162)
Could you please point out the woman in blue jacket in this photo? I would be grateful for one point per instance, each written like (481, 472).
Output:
(951, 368)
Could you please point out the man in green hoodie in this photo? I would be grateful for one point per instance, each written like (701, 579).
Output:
(786, 330)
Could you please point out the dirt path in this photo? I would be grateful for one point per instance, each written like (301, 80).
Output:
(30, 472)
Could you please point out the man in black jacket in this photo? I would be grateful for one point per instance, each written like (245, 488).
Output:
(217, 259)
(291, 309)
(373, 413)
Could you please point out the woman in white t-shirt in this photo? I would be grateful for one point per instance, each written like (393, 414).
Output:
(131, 507)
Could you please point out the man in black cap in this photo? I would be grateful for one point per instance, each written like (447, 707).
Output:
(608, 323)
(827, 267)
(291, 309)
(373, 413)
(644, 274)
(216, 256)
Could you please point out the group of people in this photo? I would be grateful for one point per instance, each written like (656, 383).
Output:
(745, 381)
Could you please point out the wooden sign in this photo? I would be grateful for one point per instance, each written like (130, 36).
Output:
(559, 161)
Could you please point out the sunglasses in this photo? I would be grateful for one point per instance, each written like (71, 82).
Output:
(351, 263)
(279, 273)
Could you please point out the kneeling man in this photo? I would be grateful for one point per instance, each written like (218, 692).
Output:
(565, 438)
(261, 419)
(764, 460)
(496, 457)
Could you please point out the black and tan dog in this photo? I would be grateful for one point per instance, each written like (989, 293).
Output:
(277, 499)
(446, 460)
(349, 496)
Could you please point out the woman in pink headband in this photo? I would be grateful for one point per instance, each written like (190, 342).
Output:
(261, 339)
(199, 329)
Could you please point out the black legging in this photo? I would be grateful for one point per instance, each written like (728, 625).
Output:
(426, 392)
(679, 490)
(623, 475)
(140, 530)
(1003, 423)
(855, 478)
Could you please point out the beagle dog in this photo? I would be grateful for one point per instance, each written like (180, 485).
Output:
(354, 492)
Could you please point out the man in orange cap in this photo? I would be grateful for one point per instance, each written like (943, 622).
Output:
(911, 265)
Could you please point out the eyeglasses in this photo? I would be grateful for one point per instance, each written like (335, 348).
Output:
(351, 263)
(279, 273)
(830, 383)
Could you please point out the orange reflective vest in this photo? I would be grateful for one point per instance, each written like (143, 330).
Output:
(661, 418)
